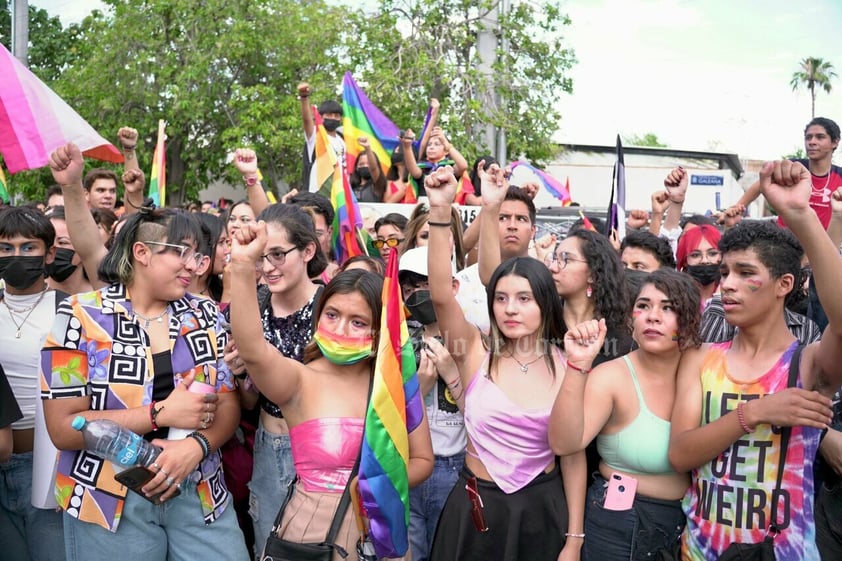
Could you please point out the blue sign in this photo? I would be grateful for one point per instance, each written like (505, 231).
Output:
(707, 180)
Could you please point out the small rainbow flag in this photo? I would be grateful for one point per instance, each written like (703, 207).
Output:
(347, 221)
(550, 183)
(360, 117)
(324, 159)
(158, 176)
(4, 187)
(394, 411)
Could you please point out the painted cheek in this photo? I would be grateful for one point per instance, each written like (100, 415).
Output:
(636, 313)
(754, 284)
(675, 336)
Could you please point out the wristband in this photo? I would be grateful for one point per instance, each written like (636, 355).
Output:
(571, 535)
(129, 148)
(153, 415)
(742, 418)
(203, 442)
(250, 181)
(439, 224)
(585, 371)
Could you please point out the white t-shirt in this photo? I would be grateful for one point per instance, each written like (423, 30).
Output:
(447, 425)
(472, 298)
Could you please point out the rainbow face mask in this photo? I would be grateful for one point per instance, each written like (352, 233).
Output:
(340, 349)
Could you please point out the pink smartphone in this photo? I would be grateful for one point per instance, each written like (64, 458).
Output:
(621, 492)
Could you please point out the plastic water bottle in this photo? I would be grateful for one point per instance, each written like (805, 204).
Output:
(111, 441)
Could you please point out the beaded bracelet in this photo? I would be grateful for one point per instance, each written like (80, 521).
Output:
(570, 535)
(153, 414)
(203, 442)
(742, 418)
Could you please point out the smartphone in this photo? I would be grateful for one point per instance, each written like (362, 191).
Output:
(135, 478)
(621, 492)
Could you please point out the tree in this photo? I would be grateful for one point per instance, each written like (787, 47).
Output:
(649, 140)
(411, 50)
(814, 72)
(221, 73)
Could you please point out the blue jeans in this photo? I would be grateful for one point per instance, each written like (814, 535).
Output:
(26, 533)
(173, 531)
(273, 471)
(426, 502)
(630, 535)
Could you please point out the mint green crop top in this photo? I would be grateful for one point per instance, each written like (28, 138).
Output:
(642, 446)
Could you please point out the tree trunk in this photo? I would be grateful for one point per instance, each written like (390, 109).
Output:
(813, 98)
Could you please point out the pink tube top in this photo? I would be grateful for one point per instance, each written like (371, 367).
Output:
(324, 452)
(512, 443)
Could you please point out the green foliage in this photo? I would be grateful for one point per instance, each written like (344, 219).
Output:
(813, 73)
(649, 140)
(223, 75)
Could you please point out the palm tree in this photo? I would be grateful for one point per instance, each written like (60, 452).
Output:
(813, 72)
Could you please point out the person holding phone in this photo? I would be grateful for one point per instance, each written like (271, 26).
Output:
(634, 504)
(132, 352)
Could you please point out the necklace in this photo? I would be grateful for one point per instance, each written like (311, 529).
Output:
(146, 321)
(826, 183)
(28, 311)
(524, 366)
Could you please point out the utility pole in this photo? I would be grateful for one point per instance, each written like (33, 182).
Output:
(504, 49)
(20, 31)
(487, 50)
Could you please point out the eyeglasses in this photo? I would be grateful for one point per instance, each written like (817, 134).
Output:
(564, 257)
(186, 253)
(477, 514)
(391, 242)
(712, 255)
(275, 257)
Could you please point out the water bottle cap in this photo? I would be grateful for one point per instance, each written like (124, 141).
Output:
(78, 423)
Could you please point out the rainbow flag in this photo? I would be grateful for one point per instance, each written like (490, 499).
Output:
(324, 159)
(4, 187)
(158, 176)
(395, 410)
(347, 221)
(34, 121)
(550, 183)
(360, 117)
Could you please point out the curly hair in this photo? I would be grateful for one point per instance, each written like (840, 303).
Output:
(608, 273)
(777, 248)
(684, 296)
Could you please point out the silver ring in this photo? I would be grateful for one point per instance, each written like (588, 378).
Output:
(160, 470)
(207, 417)
(207, 406)
(156, 466)
(204, 425)
(170, 481)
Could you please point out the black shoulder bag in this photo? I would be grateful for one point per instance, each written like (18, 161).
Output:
(765, 550)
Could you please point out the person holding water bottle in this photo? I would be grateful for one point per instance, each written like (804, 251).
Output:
(135, 352)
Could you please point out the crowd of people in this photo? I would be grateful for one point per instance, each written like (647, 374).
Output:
(586, 398)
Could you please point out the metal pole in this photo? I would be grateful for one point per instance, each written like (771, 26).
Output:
(504, 48)
(20, 30)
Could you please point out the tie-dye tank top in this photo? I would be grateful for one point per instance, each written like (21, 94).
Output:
(730, 496)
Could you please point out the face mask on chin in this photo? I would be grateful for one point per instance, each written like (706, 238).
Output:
(21, 272)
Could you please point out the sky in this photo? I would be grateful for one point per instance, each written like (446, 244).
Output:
(700, 74)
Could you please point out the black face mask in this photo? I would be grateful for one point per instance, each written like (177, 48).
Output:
(704, 274)
(62, 266)
(331, 124)
(635, 279)
(364, 173)
(421, 307)
(21, 272)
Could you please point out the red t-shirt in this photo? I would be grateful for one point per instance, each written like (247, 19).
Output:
(823, 187)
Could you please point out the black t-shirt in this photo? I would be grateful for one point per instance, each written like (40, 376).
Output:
(9, 410)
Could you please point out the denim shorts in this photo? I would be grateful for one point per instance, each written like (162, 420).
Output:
(636, 534)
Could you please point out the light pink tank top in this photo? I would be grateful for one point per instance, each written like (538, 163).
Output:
(325, 450)
(511, 442)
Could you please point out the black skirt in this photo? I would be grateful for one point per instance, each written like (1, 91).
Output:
(528, 525)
